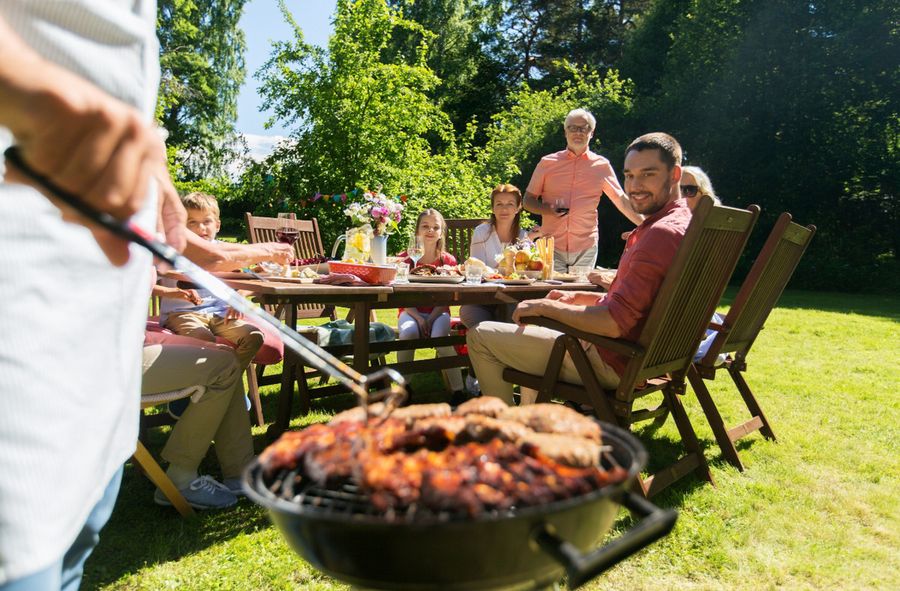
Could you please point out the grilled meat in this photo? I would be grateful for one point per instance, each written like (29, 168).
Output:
(357, 413)
(414, 412)
(442, 464)
(490, 406)
(553, 418)
(567, 450)
(482, 429)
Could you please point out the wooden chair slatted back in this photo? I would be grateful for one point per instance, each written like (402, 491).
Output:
(763, 285)
(459, 236)
(308, 245)
(264, 229)
(690, 292)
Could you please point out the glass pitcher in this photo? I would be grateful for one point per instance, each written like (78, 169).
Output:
(357, 244)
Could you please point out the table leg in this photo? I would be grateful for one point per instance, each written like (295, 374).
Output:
(288, 377)
(361, 337)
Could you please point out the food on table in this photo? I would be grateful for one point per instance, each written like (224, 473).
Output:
(428, 460)
(433, 271)
(535, 263)
(315, 260)
(544, 248)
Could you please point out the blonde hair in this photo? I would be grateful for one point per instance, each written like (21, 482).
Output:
(433, 212)
(703, 182)
(201, 202)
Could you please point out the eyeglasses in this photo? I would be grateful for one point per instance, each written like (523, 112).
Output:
(689, 190)
(578, 128)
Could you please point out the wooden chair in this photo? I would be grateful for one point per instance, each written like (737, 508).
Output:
(149, 466)
(757, 296)
(459, 237)
(308, 245)
(660, 358)
(254, 372)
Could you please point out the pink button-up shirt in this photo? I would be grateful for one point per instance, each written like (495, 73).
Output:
(580, 181)
(649, 253)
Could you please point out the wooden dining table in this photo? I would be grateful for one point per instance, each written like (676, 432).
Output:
(362, 300)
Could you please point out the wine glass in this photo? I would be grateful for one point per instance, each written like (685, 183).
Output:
(560, 206)
(416, 249)
(286, 233)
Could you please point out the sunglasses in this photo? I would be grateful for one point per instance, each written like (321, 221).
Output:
(689, 190)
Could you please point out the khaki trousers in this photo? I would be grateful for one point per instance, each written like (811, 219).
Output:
(220, 415)
(494, 346)
(206, 327)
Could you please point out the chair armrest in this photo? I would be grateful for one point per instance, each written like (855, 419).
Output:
(620, 346)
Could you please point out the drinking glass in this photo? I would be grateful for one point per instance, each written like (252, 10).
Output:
(416, 249)
(402, 275)
(473, 274)
(580, 272)
(286, 234)
(560, 206)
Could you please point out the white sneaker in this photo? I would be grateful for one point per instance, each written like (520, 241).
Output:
(202, 493)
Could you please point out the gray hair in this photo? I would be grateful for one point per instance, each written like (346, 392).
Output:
(703, 182)
(581, 113)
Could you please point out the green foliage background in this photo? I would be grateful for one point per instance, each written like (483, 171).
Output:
(789, 105)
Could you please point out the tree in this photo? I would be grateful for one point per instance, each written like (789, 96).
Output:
(788, 105)
(362, 116)
(202, 63)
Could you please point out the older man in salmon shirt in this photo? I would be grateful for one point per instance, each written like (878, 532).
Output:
(566, 189)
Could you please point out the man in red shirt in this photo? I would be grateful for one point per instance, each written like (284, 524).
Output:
(652, 174)
(566, 189)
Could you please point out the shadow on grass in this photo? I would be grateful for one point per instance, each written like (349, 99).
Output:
(875, 305)
(141, 534)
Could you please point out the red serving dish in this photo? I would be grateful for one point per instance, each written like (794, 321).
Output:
(371, 274)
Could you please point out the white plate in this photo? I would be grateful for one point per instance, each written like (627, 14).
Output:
(512, 281)
(436, 279)
(565, 277)
(282, 278)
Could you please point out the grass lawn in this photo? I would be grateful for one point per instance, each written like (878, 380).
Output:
(816, 510)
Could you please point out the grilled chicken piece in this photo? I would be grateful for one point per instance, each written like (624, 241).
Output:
(414, 412)
(553, 418)
(489, 406)
(357, 413)
(482, 429)
(565, 449)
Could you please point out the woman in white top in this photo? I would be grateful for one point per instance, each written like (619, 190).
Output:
(488, 241)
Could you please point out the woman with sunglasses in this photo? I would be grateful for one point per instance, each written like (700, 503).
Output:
(694, 184)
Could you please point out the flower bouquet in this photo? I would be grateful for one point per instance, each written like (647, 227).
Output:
(378, 210)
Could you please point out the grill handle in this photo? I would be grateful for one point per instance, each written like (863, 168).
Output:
(581, 568)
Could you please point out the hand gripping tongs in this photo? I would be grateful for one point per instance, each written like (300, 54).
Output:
(390, 384)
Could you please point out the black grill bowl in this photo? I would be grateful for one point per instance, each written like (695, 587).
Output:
(527, 548)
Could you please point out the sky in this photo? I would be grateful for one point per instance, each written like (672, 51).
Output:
(263, 23)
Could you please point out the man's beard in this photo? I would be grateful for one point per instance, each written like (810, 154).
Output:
(653, 206)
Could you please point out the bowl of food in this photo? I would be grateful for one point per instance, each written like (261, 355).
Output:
(371, 274)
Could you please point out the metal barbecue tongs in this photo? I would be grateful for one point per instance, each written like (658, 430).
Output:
(390, 383)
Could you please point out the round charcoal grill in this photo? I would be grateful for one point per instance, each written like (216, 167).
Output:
(340, 533)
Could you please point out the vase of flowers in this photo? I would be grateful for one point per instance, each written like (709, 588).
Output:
(380, 212)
